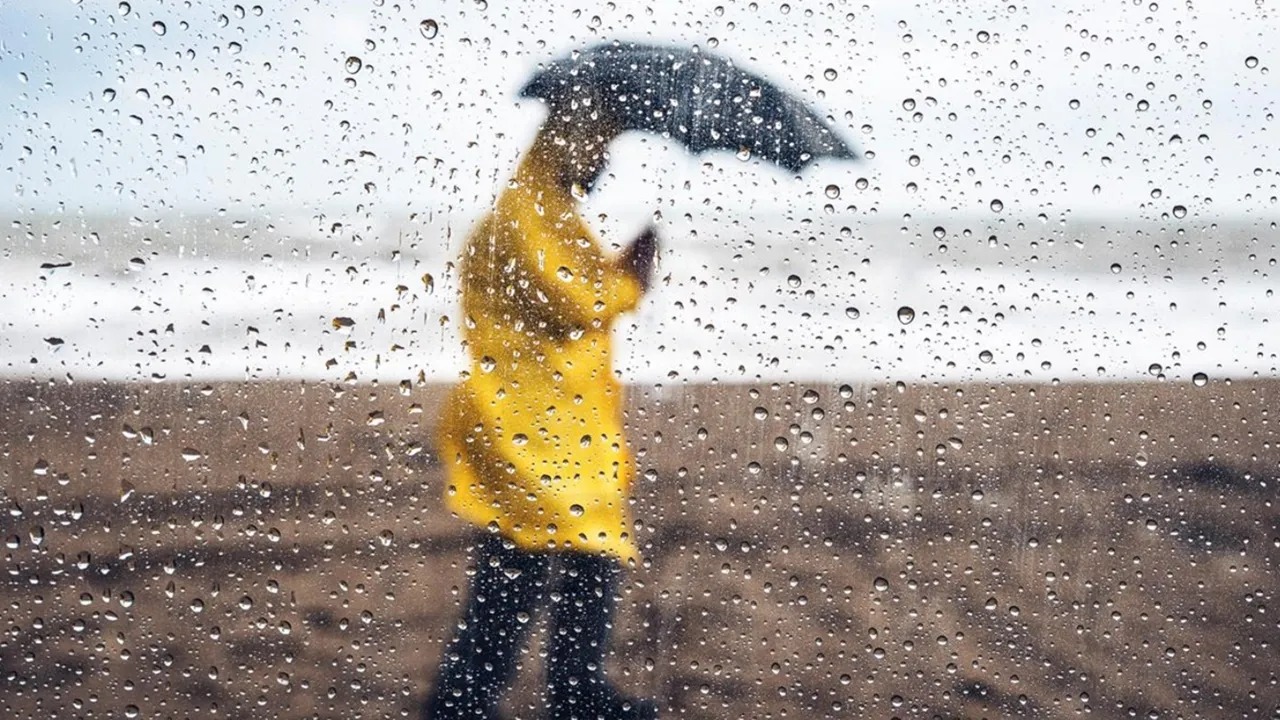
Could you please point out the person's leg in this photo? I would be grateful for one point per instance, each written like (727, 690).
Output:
(581, 619)
(481, 659)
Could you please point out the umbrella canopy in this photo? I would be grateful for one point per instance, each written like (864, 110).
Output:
(699, 99)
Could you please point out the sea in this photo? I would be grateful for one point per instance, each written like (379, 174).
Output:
(852, 298)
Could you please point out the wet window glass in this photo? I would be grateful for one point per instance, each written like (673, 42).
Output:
(620, 360)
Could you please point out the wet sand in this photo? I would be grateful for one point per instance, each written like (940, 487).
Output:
(281, 550)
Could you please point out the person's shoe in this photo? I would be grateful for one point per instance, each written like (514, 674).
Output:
(604, 704)
(459, 711)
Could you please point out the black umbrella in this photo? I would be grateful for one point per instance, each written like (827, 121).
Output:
(694, 97)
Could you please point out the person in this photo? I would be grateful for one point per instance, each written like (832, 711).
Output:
(532, 438)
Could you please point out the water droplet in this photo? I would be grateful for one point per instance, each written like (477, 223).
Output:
(585, 441)
(939, 232)
(576, 510)
(191, 454)
(990, 604)
(780, 444)
(108, 95)
(159, 27)
(124, 8)
(985, 356)
(1179, 211)
(429, 282)
(519, 439)
(1115, 268)
(811, 396)
(852, 313)
(880, 584)
(354, 64)
(760, 413)
(340, 323)
(997, 205)
(906, 315)
(487, 364)
(793, 281)
(1155, 369)
(429, 29)
(983, 36)
(833, 191)
(1251, 62)
(1200, 379)
(830, 74)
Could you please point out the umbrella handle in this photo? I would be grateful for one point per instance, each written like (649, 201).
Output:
(641, 256)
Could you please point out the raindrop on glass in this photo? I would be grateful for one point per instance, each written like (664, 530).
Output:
(906, 314)
(429, 29)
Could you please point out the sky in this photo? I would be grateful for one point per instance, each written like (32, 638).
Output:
(1040, 183)
(390, 108)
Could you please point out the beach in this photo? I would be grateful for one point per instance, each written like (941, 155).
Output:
(254, 549)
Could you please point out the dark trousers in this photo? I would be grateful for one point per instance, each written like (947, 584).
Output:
(508, 587)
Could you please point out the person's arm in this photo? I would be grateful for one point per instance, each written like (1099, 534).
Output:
(577, 284)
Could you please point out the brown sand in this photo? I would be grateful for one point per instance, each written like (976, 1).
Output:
(280, 550)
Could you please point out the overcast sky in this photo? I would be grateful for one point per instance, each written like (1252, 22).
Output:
(1065, 109)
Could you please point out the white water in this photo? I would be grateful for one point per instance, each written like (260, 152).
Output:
(212, 301)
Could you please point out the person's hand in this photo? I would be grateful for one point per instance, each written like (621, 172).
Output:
(640, 257)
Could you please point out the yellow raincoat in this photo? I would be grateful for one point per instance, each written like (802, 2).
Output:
(532, 439)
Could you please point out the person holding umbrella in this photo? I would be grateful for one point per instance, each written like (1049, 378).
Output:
(532, 439)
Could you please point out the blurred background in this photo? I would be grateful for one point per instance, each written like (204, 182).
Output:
(980, 425)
